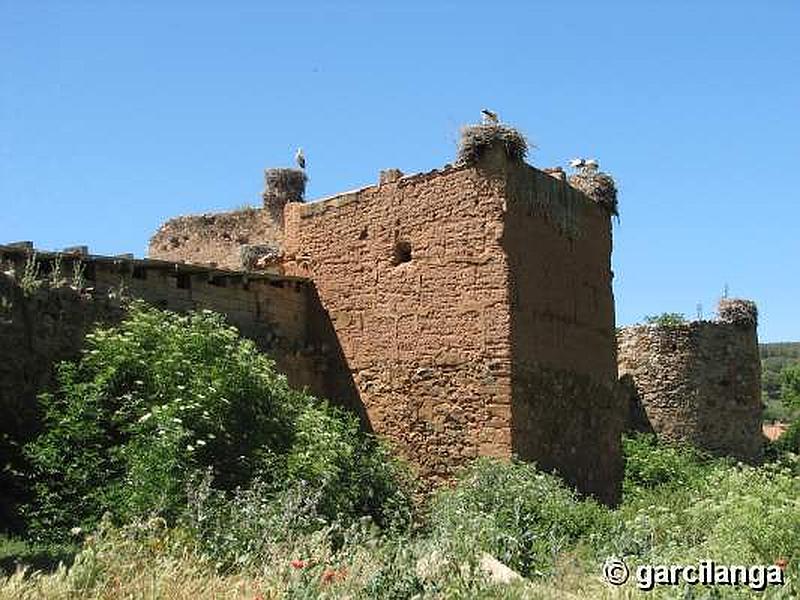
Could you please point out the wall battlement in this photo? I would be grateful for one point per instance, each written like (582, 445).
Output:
(698, 382)
(274, 311)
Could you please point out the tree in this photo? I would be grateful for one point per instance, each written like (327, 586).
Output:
(790, 385)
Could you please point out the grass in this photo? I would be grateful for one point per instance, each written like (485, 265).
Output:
(17, 553)
(680, 507)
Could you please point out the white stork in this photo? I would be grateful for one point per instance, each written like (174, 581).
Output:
(300, 158)
(577, 163)
(489, 117)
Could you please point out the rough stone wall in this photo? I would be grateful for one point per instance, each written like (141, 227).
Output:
(698, 382)
(568, 414)
(217, 240)
(47, 324)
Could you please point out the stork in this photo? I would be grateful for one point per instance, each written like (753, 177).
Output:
(577, 163)
(489, 117)
(300, 158)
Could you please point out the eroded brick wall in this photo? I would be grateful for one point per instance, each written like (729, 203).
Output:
(568, 414)
(698, 382)
(216, 239)
(414, 279)
(472, 318)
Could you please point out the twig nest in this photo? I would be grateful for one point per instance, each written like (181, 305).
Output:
(477, 139)
(598, 186)
(259, 257)
(737, 310)
(284, 185)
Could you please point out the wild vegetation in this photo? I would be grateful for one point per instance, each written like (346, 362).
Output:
(780, 366)
(176, 463)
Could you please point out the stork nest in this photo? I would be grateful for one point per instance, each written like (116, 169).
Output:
(286, 185)
(477, 139)
(737, 310)
(257, 257)
(598, 186)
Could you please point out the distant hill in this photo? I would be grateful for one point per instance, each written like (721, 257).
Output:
(777, 349)
(774, 357)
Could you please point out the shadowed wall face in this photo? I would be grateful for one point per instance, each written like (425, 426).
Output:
(699, 382)
(567, 413)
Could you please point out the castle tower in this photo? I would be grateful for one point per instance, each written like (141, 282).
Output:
(698, 382)
(473, 315)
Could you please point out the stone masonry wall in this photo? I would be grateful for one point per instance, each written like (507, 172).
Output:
(42, 326)
(273, 311)
(698, 382)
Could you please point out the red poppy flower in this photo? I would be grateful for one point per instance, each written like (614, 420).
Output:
(328, 576)
(298, 564)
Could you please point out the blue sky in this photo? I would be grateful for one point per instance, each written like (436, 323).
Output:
(115, 116)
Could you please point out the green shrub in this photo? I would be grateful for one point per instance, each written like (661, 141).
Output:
(650, 463)
(666, 319)
(163, 397)
(519, 515)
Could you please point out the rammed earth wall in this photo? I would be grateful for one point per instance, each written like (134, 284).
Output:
(461, 312)
(474, 313)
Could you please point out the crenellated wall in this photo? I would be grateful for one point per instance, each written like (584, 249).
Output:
(273, 311)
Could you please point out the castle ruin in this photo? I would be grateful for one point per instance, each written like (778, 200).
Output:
(469, 310)
(462, 312)
(697, 382)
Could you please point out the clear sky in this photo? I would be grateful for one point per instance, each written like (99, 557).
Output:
(115, 116)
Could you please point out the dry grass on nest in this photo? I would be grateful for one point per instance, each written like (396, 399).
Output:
(599, 186)
(737, 310)
(257, 256)
(288, 184)
(476, 139)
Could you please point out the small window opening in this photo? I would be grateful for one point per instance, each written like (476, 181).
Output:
(402, 252)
